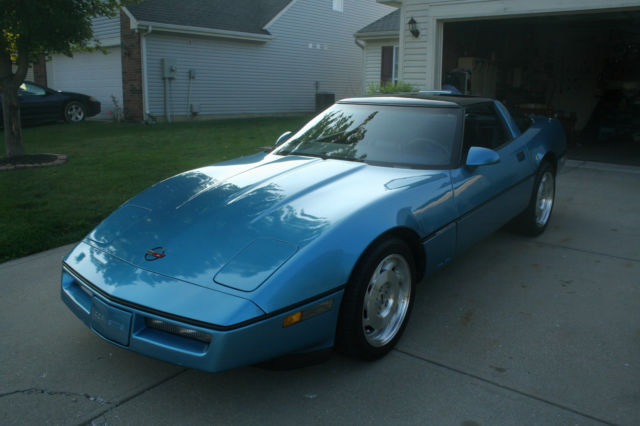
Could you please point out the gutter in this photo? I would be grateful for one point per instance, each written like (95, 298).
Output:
(203, 32)
(378, 35)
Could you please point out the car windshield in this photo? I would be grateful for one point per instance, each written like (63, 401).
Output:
(379, 134)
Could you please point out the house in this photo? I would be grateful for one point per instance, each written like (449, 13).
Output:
(202, 58)
(379, 41)
(574, 59)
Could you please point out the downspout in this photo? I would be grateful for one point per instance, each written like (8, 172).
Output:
(363, 45)
(145, 84)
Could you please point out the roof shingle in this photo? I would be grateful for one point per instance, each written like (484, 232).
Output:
(248, 16)
(388, 23)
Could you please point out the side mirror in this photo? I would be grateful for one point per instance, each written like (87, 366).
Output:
(283, 138)
(479, 156)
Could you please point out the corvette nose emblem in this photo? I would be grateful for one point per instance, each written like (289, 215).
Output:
(154, 254)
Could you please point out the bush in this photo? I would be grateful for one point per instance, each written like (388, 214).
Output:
(390, 87)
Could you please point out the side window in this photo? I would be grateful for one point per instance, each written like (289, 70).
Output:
(30, 89)
(483, 127)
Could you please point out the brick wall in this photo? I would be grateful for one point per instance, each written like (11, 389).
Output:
(40, 71)
(131, 71)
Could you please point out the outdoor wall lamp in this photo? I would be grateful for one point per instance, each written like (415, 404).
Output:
(413, 27)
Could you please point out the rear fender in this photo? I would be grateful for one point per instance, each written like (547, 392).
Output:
(547, 141)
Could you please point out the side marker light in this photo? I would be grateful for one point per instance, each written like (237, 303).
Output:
(310, 312)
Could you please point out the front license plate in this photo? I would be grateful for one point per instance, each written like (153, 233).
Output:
(110, 322)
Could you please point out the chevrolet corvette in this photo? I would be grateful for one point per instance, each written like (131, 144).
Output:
(317, 242)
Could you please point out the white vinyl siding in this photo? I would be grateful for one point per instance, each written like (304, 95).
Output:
(373, 60)
(106, 30)
(312, 46)
(413, 66)
(29, 76)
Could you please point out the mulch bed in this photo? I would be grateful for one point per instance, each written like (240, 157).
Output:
(31, 161)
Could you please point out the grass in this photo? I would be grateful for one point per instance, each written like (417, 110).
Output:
(390, 87)
(107, 164)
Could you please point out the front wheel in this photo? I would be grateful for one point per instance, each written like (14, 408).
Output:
(534, 220)
(74, 112)
(377, 301)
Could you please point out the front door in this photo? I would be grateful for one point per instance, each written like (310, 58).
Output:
(36, 103)
(489, 196)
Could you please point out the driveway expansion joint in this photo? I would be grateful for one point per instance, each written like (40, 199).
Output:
(113, 405)
(40, 391)
(507, 388)
(595, 253)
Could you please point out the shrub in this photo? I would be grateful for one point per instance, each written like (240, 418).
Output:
(390, 87)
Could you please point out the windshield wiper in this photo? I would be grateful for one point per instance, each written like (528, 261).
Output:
(306, 154)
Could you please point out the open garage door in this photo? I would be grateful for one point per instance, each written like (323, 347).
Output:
(581, 68)
(91, 73)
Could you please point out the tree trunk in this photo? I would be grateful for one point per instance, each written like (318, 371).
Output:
(11, 119)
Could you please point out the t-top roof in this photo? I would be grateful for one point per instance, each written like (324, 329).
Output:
(418, 99)
(247, 16)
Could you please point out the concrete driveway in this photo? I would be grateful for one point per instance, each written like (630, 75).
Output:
(517, 331)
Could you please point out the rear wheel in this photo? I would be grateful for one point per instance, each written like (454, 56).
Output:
(74, 112)
(534, 220)
(377, 301)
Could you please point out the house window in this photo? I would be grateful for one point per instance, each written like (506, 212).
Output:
(389, 65)
(338, 5)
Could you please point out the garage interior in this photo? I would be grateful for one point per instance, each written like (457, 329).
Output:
(582, 68)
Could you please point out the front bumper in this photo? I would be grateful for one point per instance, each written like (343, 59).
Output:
(227, 347)
(93, 108)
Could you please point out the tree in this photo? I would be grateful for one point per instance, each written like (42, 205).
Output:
(31, 29)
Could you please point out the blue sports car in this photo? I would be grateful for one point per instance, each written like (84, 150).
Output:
(319, 242)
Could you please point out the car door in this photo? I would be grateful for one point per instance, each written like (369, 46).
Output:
(488, 196)
(36, 103)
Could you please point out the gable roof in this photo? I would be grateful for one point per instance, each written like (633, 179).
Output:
(241, 16)
(388, 24)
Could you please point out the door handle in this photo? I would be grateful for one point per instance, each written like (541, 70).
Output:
(520, 155)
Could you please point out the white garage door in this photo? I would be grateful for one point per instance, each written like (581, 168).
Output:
(94, 74)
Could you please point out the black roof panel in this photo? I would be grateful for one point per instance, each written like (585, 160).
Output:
(418, 99)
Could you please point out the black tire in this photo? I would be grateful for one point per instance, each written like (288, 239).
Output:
(74, 112)
(380, 292)
(535, 218)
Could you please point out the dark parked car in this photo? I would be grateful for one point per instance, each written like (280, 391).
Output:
(39, 103)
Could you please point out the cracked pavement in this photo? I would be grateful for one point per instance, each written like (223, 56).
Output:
(516, 331)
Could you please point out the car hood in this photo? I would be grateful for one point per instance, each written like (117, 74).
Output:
(239, 221)
(72, 94)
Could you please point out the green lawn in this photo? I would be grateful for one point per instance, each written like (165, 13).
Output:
(107, 164)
